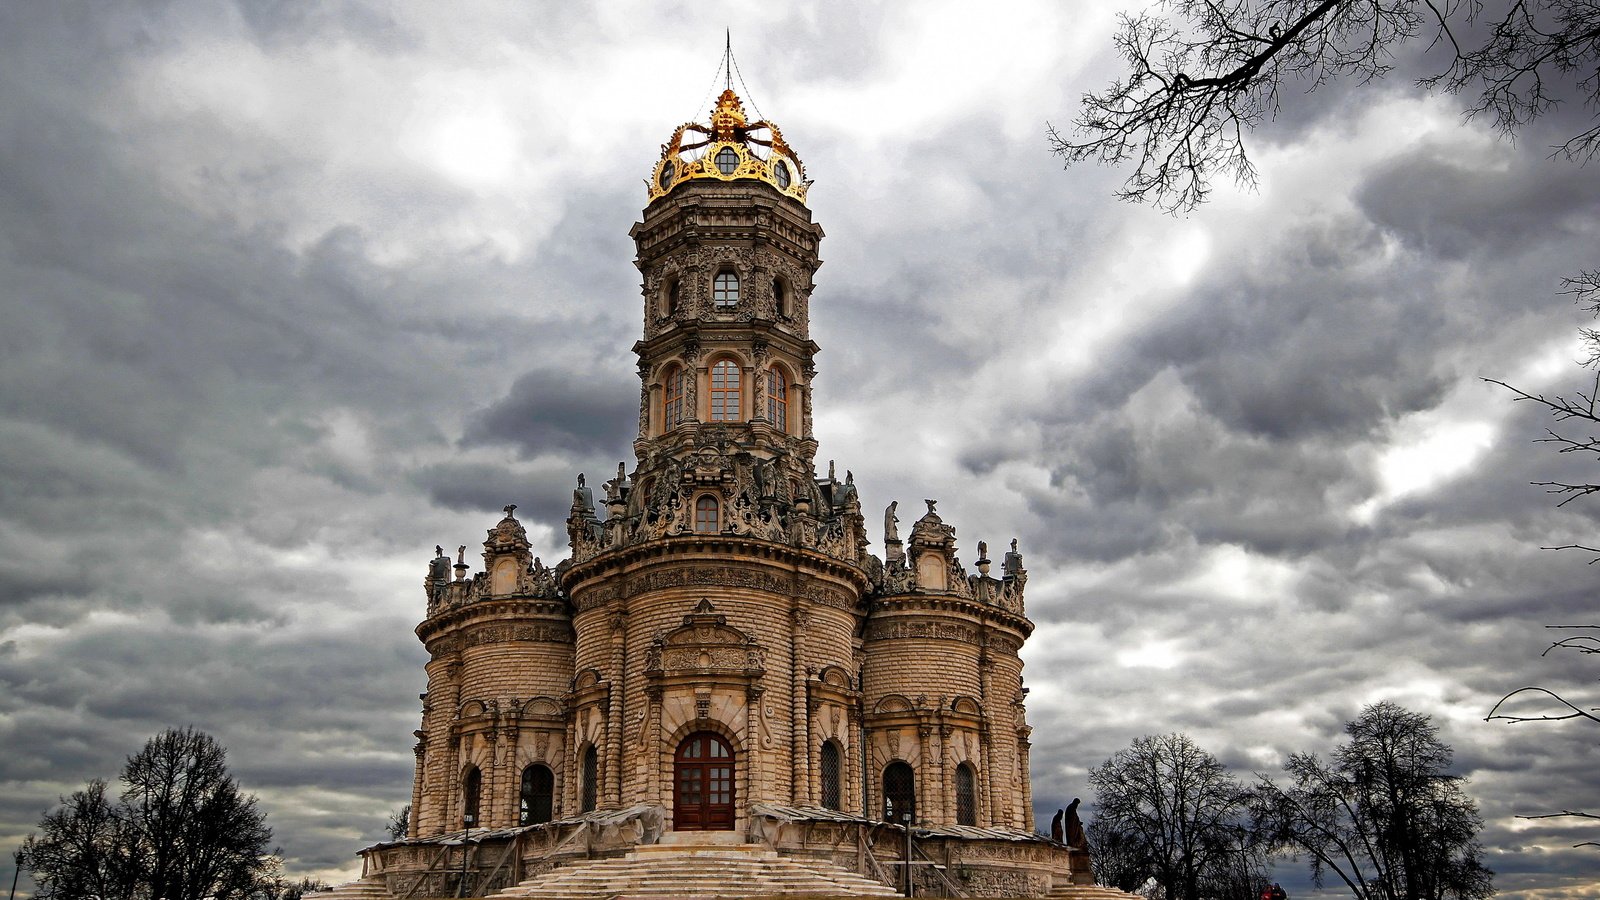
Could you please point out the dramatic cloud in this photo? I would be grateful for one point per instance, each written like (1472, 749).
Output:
(291, 293)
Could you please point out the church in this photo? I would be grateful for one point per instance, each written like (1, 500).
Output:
(721, 673)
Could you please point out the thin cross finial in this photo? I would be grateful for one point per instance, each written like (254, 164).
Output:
(727, 59)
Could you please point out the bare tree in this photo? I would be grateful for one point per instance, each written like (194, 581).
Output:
(82, 849)
(1178, 810)
(1119, 859)
(181, 831)
(1383, 816)
(1534, 703)
(279, 888)
(399, 823)
(1197, 80)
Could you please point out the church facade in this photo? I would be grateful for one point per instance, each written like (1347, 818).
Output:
(721, 651)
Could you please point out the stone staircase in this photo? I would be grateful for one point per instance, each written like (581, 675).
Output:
(365, 889)
(1088, 892)
(697, 871)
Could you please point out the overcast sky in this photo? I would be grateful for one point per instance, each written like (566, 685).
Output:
(292, 292)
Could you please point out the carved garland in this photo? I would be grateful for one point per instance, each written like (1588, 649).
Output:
(821, 593)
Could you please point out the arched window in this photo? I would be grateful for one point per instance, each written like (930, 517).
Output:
(780, 297)
(706, 514)
(669, 298)
(591, 778)
(471, 791)
(778, 399)
(966, 795)
(725, 290)
(831, 777)
(538, 795)
(899, 792)
(725, 391)
(727, 160)
(672, 402)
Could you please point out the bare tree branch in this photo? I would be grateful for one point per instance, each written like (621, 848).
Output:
(1201, 77)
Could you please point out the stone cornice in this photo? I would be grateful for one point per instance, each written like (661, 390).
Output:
(946, 604)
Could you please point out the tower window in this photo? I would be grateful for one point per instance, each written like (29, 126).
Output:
(725, 391)
(669, 298)
(727, 160)
(782, 171)
(831, 777)
(966, 795)
(471, 791)
(591, 779)
(778, 399)
(725, 290)
(672, 405)
(780, 297)
(538, 795)
(706, 514)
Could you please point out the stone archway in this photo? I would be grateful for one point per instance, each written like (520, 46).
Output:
(702, 784)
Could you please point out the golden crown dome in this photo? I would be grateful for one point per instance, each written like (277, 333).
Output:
(731, 149)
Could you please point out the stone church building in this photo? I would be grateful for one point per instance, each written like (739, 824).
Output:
(720, 661)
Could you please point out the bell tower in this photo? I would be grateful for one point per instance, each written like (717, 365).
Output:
(727, 250)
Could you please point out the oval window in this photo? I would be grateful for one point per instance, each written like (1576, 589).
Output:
(781, 170)
(665, 178)
(727, 160)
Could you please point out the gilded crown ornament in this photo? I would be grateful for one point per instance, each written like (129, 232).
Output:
(733, 148)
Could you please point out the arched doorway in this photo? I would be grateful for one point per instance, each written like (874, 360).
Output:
(702, 793)
(899, 792)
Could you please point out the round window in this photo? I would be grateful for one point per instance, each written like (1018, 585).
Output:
(782, 171)
(665, 179)
(727, 160)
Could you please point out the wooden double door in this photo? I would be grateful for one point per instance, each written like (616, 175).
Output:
(702, 779)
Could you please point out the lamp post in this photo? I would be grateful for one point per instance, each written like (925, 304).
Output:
(15, 873)
(466, 831)
(910, 888)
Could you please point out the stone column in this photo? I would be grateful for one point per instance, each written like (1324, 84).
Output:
(651, 747)
(805, 411)
(800, 749)
(420, 770)
(570, 774)
(758, 395)
(854, 745)
(616, 709)
(930, 803)
(752, 743)
(947, 774)
(1023, 747)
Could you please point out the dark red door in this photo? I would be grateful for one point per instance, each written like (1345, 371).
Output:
(702, 796)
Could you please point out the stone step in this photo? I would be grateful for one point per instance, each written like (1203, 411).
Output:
(368, 889)
(698, 870)
(1088, 892)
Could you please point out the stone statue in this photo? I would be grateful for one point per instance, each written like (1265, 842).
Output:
(1075, 838)
(461, 555)
(510, 508)
(1013, 562)
(891, 533)
(762, 478)
(1057, 833)
(930, 506)
(983, 551)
